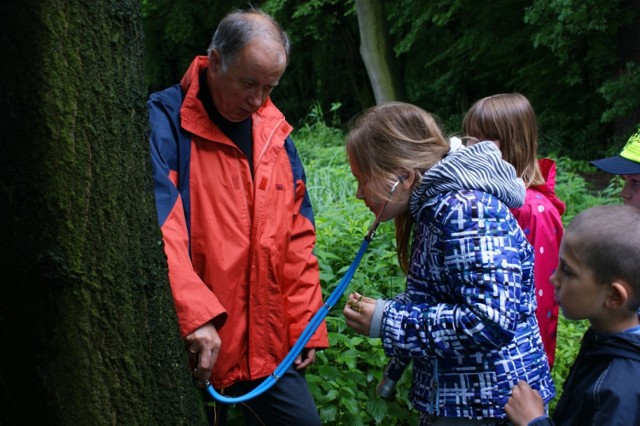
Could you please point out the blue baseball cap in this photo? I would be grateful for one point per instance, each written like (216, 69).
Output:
(627, 163)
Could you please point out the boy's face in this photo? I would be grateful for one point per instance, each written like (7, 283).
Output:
(577, 292)
(631, 191)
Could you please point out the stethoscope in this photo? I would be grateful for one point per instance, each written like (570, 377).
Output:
(316, 320)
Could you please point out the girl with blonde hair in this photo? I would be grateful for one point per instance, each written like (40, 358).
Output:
(466, 319)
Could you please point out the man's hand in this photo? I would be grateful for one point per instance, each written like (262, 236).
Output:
(524, 405)
(306, 358)
(358, 312)
(203, 346)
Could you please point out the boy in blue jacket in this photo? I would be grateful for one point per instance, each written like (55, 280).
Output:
(598, 279)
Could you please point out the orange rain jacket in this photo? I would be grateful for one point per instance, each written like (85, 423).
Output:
(239, 248)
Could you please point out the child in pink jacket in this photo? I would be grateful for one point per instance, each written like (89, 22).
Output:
(510, 122)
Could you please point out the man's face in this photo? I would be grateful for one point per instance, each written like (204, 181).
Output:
(249, 79)
(631, 190)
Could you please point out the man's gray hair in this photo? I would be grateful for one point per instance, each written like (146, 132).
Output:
(239, 27)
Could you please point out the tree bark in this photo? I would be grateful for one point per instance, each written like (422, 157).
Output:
(375, 49)
(87, 323)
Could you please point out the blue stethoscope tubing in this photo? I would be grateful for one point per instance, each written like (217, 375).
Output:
(302, 340)
(313, 325)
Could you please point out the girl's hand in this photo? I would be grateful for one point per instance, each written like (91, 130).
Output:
(358, 312)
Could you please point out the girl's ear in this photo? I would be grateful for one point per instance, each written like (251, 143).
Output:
(406, 180)
(619, 295)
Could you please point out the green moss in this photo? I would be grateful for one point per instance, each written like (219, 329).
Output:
(86, 277)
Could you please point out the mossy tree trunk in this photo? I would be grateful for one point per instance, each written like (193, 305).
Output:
(87, 324)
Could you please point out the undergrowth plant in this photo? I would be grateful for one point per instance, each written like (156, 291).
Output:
(573, 189)
(344, 377)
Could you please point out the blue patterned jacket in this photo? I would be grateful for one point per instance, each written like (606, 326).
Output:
(467, 318)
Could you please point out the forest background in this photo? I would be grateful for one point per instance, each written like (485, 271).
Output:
(578, 62)
(86, 315)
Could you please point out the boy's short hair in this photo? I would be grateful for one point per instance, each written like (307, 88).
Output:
(607, 240)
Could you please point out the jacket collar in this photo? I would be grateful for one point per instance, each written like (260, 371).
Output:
(479, 167)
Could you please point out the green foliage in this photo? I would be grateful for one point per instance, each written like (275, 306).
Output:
(344, 378)
(578, 195)
(311, 11)
(574, 59)
(347, 375)
(175, 32)
(615, 92)
(571, 28)
(569, 337)
(326, 66)
(566, 56)
(569, 57)
(585, 40)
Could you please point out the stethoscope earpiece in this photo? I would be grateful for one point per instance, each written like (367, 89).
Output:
(374, 225)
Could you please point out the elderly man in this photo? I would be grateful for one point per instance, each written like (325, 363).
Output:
(236, 220)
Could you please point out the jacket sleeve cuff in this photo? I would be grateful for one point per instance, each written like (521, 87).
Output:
(375, 329)
(541, 421)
